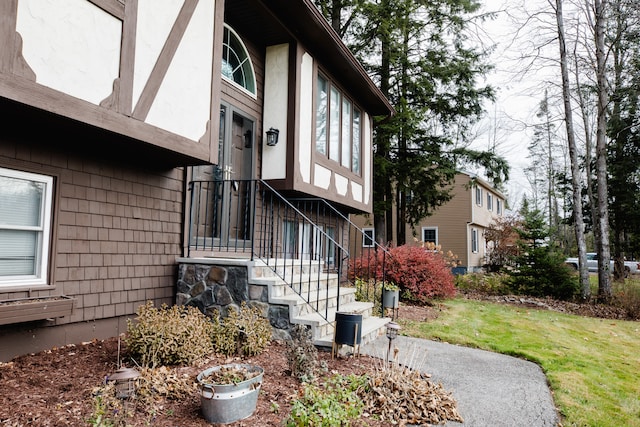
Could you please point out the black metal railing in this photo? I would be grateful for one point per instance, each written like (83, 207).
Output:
(307, 242)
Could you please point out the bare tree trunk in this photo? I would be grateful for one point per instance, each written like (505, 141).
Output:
(604, 251)
(573, 155)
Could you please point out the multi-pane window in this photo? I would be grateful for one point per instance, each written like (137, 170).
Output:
(430, 234)
(321, 116)
(489, 201)
(478, 196)
(236, 63)
(368, 237)
(25, 224)
(474, 240)
(338, 126)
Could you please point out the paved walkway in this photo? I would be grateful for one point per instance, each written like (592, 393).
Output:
(492, 390)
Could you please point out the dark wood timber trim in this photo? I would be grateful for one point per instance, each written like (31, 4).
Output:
(164, 60)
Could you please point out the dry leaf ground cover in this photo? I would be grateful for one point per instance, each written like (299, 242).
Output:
(56, 387)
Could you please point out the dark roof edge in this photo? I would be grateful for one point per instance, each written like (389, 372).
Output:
(286, 9)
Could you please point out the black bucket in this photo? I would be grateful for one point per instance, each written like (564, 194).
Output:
(348, 329)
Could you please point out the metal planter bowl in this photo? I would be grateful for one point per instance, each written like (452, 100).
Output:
(226, 403)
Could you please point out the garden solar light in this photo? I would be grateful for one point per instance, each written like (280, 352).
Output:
(125, 382)
(392, 333)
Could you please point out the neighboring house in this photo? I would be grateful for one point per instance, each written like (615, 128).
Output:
(141, 139)
(457, 226)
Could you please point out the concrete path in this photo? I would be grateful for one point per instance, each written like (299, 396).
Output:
(492, 390)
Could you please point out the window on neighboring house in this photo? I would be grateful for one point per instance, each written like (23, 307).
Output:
(478, 196)
(499, 206)
(474, 240)
(430, 234)
(25, 226)
(368, 237)
(338, 126)
(489, 201)
(236, 62)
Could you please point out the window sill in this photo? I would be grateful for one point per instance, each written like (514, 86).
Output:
(36, 308)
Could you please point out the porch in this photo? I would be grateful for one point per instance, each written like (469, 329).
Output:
(290, 257)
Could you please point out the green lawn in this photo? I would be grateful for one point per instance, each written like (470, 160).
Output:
(592, 364)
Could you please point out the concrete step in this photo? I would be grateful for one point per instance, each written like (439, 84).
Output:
(309, 305)
(372, 328)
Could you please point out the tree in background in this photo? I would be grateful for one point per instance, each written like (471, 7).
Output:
(416, 52)
(623, 149)
(540, 268)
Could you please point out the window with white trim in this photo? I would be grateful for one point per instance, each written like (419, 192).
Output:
(338, 126)
(430, 234)
(474, 240)
(236, 62)
(25, 227)
(478, 196)
(499, 206)
(489, 201)
(368, 237)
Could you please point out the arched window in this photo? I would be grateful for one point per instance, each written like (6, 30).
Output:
(236, 64)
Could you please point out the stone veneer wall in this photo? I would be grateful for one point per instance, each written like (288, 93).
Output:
(214, 287)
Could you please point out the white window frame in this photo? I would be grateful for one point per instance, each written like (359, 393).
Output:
(249, 74)
(368, 237)
(43, 232)
(499, 206)
(478, 196)
(339, 126)
(430, 228)
(474, 240)
(489, 201)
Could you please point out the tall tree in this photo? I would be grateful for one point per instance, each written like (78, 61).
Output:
(573, 154)
(604, 250)
(415, 50)
(622, 33)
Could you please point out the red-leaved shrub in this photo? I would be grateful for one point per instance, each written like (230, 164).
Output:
(423, 272)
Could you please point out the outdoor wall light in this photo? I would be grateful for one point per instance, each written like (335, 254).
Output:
(272, 136)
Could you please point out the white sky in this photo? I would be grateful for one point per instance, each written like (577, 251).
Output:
(509, 120)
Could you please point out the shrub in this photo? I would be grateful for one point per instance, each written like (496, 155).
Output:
(421, 273)
(302, 354)
(542, 272)
(168, 336)
(486, 283)
(335, 404)
(628, 298)
(245, 332)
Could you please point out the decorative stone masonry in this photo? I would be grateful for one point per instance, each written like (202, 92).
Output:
(214, 287)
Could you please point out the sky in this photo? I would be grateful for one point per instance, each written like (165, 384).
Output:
(507, 126)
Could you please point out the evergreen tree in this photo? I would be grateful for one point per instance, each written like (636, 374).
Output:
(540, 268)
(416, 52)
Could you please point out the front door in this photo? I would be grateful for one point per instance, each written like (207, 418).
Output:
(233, 179)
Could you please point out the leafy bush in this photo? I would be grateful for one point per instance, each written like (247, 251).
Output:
(627, 296)
(421, 273)
(302, 354)
(333, 405)
(168, 336)
(486, 283)
(245, 332)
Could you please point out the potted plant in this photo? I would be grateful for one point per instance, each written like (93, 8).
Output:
(229, 392)
(390, 295)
